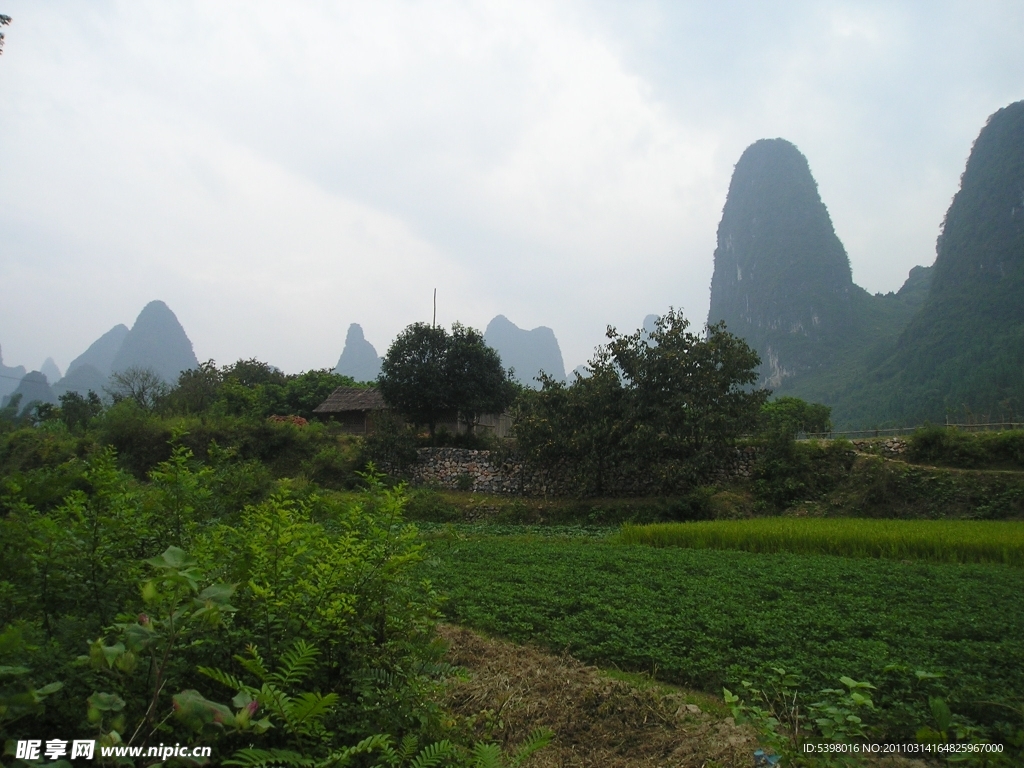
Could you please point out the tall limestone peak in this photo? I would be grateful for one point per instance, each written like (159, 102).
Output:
(981, 248)
(782, 278)
(963, 353)
(101, 353)
(156, 341)
(527, 352)
(359, 358)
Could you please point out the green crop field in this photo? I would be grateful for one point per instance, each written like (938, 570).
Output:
(711, 617)
(944, 541)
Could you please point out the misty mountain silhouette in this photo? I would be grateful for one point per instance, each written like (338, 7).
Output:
(158, 342)
(100, 354)
(358, 359)
(527, 352)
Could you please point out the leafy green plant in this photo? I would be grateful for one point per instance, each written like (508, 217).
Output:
(775, 712)
(301, 716)
(19, 697)
(139, 660)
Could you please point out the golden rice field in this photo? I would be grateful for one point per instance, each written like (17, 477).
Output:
(944, 541)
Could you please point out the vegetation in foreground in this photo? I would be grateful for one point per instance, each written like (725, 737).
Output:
(211, 495)
(710, 618)
(292, 630)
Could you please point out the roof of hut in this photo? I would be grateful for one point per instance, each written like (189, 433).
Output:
(352, 399)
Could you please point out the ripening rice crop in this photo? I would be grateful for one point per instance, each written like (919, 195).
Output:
(949, 541)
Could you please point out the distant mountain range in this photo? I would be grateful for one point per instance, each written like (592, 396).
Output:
(950, 343)
(156, 341)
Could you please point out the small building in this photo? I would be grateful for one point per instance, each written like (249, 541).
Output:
(353, 407)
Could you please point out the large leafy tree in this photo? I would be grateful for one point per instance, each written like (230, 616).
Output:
(429, 373)
(663, 405)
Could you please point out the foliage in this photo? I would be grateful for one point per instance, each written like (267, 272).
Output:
(791, 415)
(392, 444)
(787, 471)
(942, 541)
(428, 373)
(140, 437)
(793, 733)
(9, 414)
(320, 570)
(337, 575)
(138, 664)
(4, 21)
(953, 448)
(250, 389)
(709, 618)
(77, 411)
(197, 389)
(665, 405)
(18, 695)
(876, 487)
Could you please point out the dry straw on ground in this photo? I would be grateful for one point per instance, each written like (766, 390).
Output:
(597, 720)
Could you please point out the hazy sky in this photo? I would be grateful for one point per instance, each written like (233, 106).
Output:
(276, 171)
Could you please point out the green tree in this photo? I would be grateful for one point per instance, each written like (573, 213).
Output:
(793, 415)
(428, 373)
(305, 391)
(580, 426)
(197, 388)
(664, 406)
(479, 384)
(77, 411)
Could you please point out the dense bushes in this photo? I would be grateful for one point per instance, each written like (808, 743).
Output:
(788, 471)
(318, 573)
(953, 448)
(662, 407)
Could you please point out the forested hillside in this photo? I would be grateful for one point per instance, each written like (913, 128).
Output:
(948, 345)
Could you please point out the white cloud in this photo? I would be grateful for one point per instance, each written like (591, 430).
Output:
(277, 172)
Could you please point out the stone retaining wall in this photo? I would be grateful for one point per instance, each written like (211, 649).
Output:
(493, 472)
(890, 447)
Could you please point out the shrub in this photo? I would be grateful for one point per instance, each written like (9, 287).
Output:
(787, 471)
(140, 438)
(951, 447)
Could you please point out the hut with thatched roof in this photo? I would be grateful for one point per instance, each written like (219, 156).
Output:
(353, 407)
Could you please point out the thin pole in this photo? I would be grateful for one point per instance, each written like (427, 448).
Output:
(433, 323)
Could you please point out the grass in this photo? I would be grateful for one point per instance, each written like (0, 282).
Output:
(943, 541)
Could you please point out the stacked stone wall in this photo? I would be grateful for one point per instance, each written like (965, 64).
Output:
(500, 473)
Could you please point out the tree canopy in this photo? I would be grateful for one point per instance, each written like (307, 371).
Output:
(664, 406)
(428, 374)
